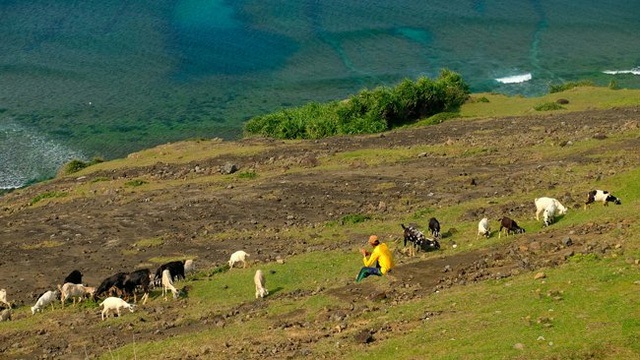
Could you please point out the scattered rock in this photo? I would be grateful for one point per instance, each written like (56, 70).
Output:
(228, 168)
(540, 275)
(363, 337)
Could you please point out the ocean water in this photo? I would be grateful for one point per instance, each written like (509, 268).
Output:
(86, 78)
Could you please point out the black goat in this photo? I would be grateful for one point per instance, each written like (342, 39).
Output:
(417, 239)
(114, 281)
(509, 226)
(139, 278)
(434, 227)
(176, 268)
(74, 277)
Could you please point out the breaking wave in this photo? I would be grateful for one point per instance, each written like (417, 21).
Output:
(515, 79)
(634, 71)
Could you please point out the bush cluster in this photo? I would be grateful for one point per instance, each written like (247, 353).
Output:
(369, 111)
(76, 165)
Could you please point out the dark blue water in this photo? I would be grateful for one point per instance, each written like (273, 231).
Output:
(89, 78)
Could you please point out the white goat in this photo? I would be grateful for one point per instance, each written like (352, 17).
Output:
(114, 304)
(167, 283)
(238, 256)
(3, 297)
(548, 216)
(5, 315)
(45, 299)
(483, 228)
(260, 282)
(74, 291)
(544, 202)
(189, 266)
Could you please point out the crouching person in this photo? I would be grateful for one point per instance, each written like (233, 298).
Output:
(379, 262)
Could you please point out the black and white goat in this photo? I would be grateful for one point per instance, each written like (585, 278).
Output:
(483, 228)
(509, 226)
(176, 268)
(602, 196)
(418, 240)
(434, 227)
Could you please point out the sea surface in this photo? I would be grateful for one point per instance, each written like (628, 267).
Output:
(86, 78)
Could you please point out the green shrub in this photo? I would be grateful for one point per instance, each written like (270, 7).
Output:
(548, 106)
(247, 175)
(369, 111)
(613, 85)
(47, 195)
(354, 219)
(134, 183)
(76, 165)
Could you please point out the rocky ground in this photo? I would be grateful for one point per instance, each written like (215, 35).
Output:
(43, 243)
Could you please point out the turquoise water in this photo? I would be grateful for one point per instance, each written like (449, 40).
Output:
(80, 79)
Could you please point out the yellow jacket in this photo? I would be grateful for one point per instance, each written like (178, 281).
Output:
(383, 256)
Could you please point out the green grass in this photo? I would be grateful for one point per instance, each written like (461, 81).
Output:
(47, 195)
(580, 98)
(523, 310)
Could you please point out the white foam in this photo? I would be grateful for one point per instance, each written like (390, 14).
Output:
(515, 79)
(26, 156)
(634, 71)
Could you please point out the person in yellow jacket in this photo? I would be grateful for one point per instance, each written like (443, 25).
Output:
(379, 262)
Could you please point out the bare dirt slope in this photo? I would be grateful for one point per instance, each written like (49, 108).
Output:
(42, 243)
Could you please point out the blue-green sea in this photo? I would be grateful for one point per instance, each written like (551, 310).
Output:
(86, 78)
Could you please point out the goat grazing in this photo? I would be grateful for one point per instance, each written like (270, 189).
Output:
(189, 266)
(139, 278)
(114, 304)
(74, 277)
(45, 299)
(418, 240)
(176, 268)
(5, 315)
(434, 227)
(602, 196)
(483, 228)
(544, 202)
(114, 281)
(260, 282)
(3, 297)
(238, 256)
(509, 226)
(167, 284)
(549, 214)
(74, 291)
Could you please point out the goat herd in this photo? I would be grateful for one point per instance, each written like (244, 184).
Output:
(120, 286)
(548, 207)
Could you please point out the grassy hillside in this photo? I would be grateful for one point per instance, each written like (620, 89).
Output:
(313, 204)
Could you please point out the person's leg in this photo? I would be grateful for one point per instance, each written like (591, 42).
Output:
(367, 271)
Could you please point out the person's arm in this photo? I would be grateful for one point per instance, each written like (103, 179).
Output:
(372, 259)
